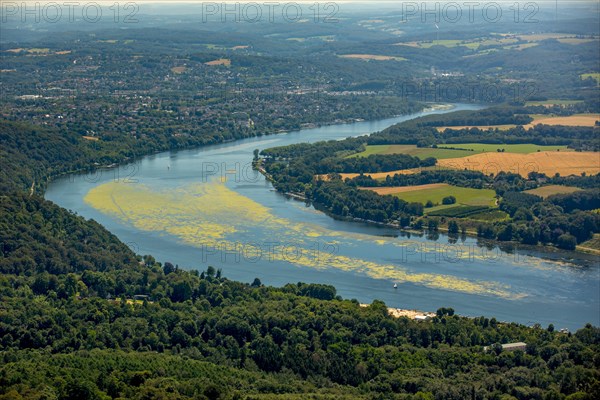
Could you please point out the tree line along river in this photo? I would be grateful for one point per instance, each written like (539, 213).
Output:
(208, 207)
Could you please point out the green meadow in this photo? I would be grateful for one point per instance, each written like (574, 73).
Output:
(454, 150)
(464, 196)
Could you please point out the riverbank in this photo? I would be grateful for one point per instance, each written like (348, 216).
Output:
(440, 229)
(412, 314)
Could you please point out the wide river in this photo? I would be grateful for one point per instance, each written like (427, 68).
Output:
(206, 207)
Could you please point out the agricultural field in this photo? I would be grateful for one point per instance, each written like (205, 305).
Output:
(524, 148)
(471, 44)
(595, 76)
(420, 152)
(482, 127)
(178, 70)
(490, 216)
(382, 175)
(456, 211)
(405, 189)
(549, 190)
(554, 102)
(38, 51)
(375, 57)
(501, 42)
(572, 120)
(566, 38)
(221, 61)
(547, 162)
(454, 150)
(435, 192)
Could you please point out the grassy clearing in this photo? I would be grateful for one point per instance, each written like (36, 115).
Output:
(595, 76)
(490, 216)
(436, 192)
(572, 120)
(549, 190)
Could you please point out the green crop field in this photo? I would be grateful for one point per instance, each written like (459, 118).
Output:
(595, 76)
(464, 196)
(453, 150)
(490, 216)
(459, 211)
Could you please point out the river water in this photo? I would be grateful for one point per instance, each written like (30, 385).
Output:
(206, 207)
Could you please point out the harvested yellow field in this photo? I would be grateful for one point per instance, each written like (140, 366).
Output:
(572, 120)
(377, 175)
(178, 70)
(403, 189)
(92, 138)
(547, 162)
(39, 50)
(221, 61)
(373, 57)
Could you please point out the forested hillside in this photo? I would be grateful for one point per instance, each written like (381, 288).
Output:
(90, 320)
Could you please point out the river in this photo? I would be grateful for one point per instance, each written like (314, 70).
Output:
(206, 207)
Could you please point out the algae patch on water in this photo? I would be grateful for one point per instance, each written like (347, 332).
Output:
(211, 215)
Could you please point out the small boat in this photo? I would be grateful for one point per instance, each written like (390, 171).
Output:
(395, 286)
